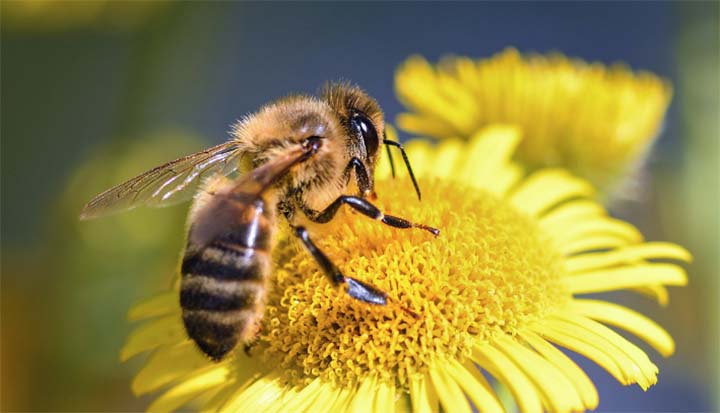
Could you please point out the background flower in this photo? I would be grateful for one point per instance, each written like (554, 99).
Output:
(597, 121)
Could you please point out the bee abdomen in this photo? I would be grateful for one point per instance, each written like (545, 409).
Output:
(222, 293)
(199, 292)
(227, 262)
(217, 314)
(218, 333)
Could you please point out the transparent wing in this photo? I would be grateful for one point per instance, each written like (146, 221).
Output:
(211, 221)
(168, 184)
(259, 179)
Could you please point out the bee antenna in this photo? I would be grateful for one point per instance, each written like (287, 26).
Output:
(390, 157)
(388, 143)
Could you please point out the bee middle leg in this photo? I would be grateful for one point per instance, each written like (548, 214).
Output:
(366, 208)
(355, 288)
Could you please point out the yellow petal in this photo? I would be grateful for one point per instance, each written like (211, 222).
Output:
(584, 346)
(423, 395)
(301, 400)
(546, 188)
(655, 291)
(558, 392)
(451, 396)
(420, 125)
(591, 243)
(632, 360)
(261, 395)
(153, 334)
(505, 180)
(156, 306)
(598, 226)
(628, 254)
(287, 396)
(500, 366)
(447, 155)
(364, 397)
(391, 132)
(332, 399)
(215, 403)
(177, 396)
(461, 102)
(403, 403)
(483, 398)
(571, 213)
(200, 401)
(625, 277)
(489, 151)
(342, 401)
(166, 365)
(419, 86)
(384, 398)
(577, 377)
(627, 319)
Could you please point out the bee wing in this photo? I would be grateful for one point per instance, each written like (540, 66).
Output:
(255, 182)
(212, 220)
(168, 184)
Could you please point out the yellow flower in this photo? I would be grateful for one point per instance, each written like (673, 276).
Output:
(598, 122)
(496, 294)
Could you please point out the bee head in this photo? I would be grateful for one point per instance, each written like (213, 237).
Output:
(361, 117)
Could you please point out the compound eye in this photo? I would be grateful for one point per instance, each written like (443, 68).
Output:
(362, 126)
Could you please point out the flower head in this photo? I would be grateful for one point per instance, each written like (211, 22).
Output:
(496, 295)
(596, 121)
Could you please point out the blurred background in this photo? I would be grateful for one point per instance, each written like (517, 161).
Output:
(96, 92)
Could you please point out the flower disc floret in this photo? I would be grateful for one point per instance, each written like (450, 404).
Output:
(489, 272)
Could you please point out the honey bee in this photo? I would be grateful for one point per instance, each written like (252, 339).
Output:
(302, 158)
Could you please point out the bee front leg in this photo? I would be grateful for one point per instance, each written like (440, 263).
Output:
(355, 288)
(363, 206)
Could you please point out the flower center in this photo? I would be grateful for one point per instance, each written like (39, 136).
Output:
(490, 271)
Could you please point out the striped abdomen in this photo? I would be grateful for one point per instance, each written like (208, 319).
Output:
(223, 284)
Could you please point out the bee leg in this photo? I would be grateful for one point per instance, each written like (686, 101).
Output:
(247, 348)
(363, 181)
(366, 208)
(251, 344)
(389, 154)
(355, 288)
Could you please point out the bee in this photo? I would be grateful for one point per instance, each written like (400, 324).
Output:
(300, 158)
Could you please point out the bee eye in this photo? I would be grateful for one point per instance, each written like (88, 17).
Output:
(362, 126)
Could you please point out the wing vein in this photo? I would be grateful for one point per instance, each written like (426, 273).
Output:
(173, 182)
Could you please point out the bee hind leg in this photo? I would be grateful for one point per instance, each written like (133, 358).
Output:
(355, 288)
(247, 348)
(252, 342)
